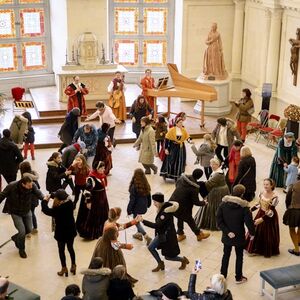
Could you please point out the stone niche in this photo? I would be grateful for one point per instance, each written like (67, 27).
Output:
(88, 49)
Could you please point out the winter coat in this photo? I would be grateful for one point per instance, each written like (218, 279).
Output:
(69, 154)
(232, 133)
(247, 174)
(19, 199)
(34, 176)
(120, 289)
(68, 128)
(95, 283)
(165, 229)
(243, 106)
(208, 294)
(186, 195)
(90, 139)
(54, 176)
(148, 148)
(138, 204)
(29, 136)
(18, 128)
(292, 173)
(10, 157)
(138, 113)
(63, 215)
(204, 154)
(232, 214)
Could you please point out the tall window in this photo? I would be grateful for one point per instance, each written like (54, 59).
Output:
(141, 33)
(24, 37)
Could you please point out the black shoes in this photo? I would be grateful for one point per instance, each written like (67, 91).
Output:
(22, 253)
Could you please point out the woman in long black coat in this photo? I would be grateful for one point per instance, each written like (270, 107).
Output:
(65, 230)
(247, 173)
(165, 233)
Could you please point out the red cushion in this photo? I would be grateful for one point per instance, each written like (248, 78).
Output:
(267, 129)
(17, 93)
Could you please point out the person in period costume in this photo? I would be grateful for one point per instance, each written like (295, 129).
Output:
(116, 101)
(104, 148)
(139, 202)
(224, 134)
(215, 188)
(146, 144)
(76, 92)
(291, 216)
(68, 128)
(93, 209)
(139, 109)
(213, 64)
(234, 159)
(292, 171)
(217, 290)
(174, 163)
(205, 153)
(148, 82)
(70, 152)
(95, 280)
(286, 149)
(120, 288)
(165, 233)
(110, 250)
(80, 170)
(266, 239)
(186, 195)
(232, 216)
(161, 129)
(172, 122)
(65, 230)
(246, 174)
(245, 109)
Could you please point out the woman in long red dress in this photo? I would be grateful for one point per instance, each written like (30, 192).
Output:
(266, 239)
(148, 83)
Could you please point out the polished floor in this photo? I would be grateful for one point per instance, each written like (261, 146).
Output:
(38, 271)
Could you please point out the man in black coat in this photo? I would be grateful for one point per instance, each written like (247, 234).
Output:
(10, 157)
(232, 215)
(186, 195)
(18, 195)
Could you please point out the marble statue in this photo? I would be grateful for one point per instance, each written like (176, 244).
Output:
(213, 65)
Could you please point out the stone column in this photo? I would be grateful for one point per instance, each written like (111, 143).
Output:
(274, 47)
(237, 43)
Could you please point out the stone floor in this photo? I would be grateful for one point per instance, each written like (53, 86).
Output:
(38, 271)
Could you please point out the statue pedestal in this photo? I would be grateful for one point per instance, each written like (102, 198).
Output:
(220, 107)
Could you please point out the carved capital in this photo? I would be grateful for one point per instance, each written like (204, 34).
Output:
(239, 4)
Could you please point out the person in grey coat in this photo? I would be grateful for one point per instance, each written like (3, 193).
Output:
(95, 280)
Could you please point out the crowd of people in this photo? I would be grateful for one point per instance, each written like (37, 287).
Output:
(84, 162)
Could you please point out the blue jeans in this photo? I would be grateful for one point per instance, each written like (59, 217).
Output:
(152, 248)
(139, 226)
(24, 225)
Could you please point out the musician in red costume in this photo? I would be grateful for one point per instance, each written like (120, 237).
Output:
(76, 91)
(116, 101)
(148, 83)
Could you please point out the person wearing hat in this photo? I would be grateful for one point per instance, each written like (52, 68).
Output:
(232, 216)
(165, 233)
(69, 153)
(171, 291)
(68, 128)
(286, 149)
(65, 229)
(186, 195)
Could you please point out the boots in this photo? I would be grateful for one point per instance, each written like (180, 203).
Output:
(181, 237)
(138, 236)
(184, 262)
(73, 269)
(154, 168)
(202, 236)
(147, 239)
(64, 271)
(160, 266)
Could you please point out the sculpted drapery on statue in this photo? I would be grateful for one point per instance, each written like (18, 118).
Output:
(295, 55)
(213, 65)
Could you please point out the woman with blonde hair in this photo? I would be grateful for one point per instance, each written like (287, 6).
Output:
(247, 173)
(205, 153)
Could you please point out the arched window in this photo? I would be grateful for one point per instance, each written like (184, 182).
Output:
(24, 37)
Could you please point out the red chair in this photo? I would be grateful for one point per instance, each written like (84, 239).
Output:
(17, 93)
(263, 120)
(277, 133)
(272, 124)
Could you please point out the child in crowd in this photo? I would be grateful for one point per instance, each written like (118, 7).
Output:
(81, 171)
(292, 172)
(29, 142)
(205, 153)
(26, 170)
(161, 129)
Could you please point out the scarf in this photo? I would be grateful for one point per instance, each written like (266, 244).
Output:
(100, 177)
(171, 135)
